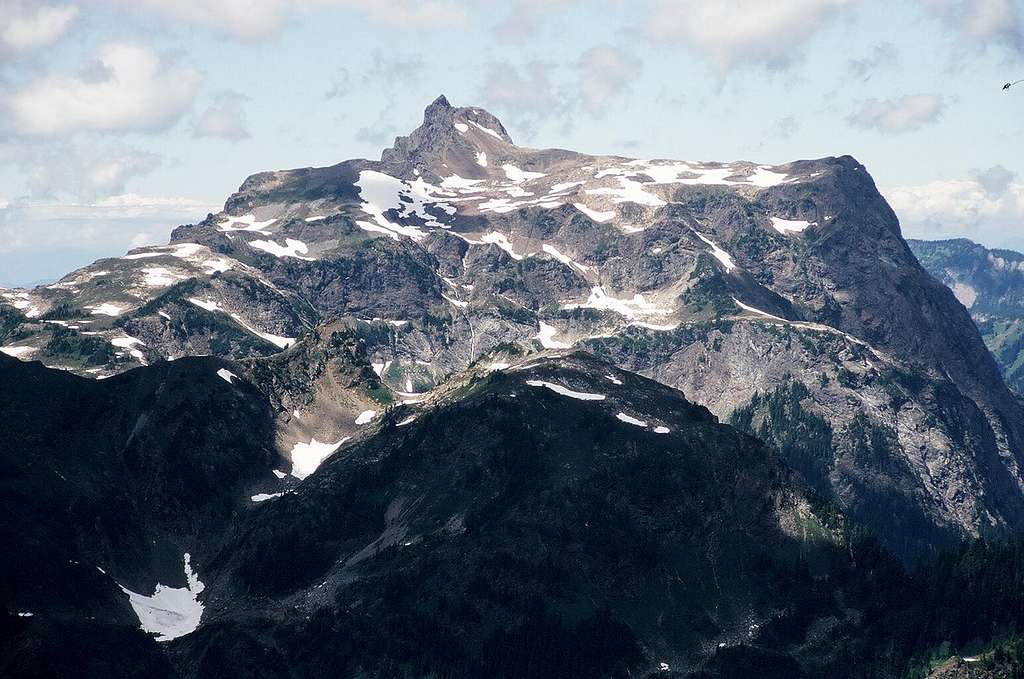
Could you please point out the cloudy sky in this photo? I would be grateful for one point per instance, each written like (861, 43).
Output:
(120, 119)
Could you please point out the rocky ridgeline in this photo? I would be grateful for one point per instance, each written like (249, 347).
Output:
(783, 298)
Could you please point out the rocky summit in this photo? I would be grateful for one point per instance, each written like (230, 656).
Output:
(446, 412)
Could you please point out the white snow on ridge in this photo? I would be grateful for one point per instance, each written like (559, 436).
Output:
(248, 223)
(306, 457)
(170, 612)
(461, 127)
(563, 391)
(225, 374)
(595, 215)
(661, 430)
(721, 255)
(18, 352)
(623, 417)
(546, 335)
(263, 497)
(291, 248)
(481, 159)
(788, 226)
(366, 417)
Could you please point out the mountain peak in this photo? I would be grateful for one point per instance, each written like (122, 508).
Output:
(449, 135)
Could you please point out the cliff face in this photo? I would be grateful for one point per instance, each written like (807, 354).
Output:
(775, 296)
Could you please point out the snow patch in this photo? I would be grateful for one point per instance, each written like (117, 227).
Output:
(546, 335)
(747, 307)
(788, 226)
(263, 497)
(170, 612)
(226, 374)
(306, 457)
(623, 417)
(159, 277)
(519, 176)
(564, 259)
(502, 242)
(462, 127)
(248, 223)
(291, 248)
(721, 255)
(595, 215)
(563, 391)
(366, 417)
(486, 130)
(106, 309)
(630, 308)
(481, 159)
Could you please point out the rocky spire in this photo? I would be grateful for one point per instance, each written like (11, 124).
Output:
(449, 134)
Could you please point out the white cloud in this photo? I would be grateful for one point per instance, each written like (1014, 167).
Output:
(904, 114)
(27, 26)
(525, 17)
(78, 167)
(990, 212)
(110, 223)
(605, 73)
(129, 88)
(537, 92)
(882, 55)
(254, 20)
(732, 32)
(524, 95)
(983, 22)
(225, 118)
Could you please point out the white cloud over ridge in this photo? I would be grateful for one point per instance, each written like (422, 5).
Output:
(904, 114)
(129, 89)
(988, 208)
(225, 118)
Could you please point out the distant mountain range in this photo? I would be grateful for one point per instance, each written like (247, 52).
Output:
(476, 409)
(990, 283)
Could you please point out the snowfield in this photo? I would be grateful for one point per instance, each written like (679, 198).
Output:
(170, 612)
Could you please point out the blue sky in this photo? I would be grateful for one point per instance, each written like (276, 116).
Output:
(120, 119)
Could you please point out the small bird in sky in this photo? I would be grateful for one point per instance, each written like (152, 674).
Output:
(1009, 85)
